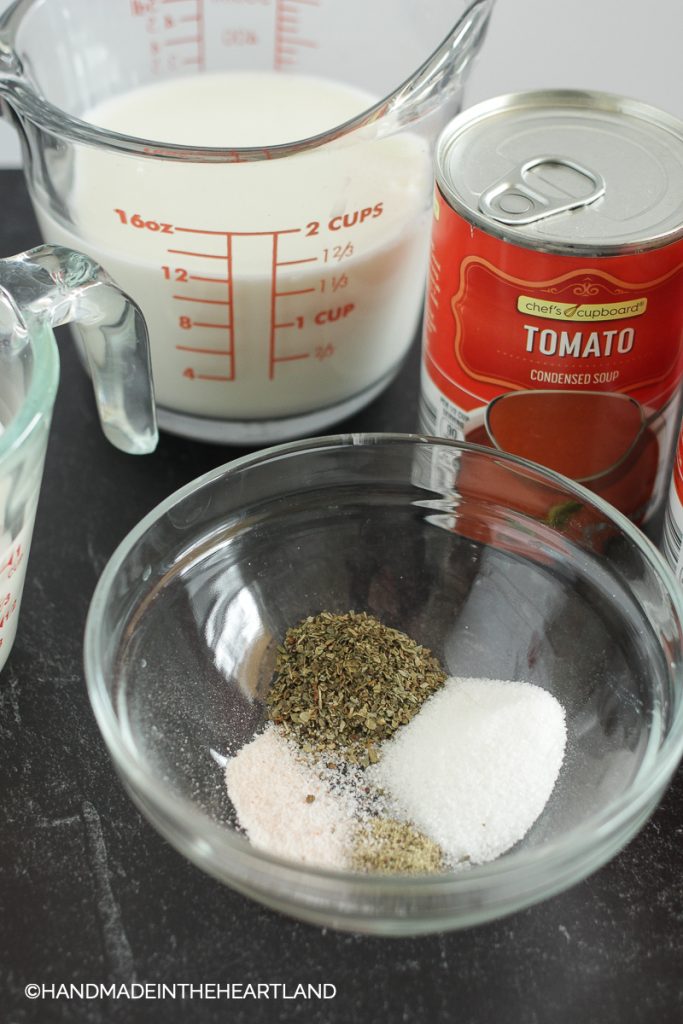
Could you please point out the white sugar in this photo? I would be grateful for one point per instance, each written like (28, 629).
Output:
(476, 766)
(271, 785)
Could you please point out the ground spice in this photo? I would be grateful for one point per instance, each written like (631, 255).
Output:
(347, 682)
(390, 847)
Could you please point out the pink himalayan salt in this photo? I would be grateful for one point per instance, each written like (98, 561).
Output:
(270, 785)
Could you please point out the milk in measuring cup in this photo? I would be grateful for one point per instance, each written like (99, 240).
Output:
(270, 288)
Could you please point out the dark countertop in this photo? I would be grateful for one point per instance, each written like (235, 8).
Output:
(90, 893)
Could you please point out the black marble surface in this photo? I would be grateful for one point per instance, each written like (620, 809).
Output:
(90, 893)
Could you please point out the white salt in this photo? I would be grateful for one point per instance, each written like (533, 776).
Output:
(476, 766)
(271, 785)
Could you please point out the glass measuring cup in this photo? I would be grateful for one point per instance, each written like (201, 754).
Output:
(281, 278)
(39, 290)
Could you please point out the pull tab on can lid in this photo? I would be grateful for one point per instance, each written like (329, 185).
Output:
(541, 187)
(566, 171)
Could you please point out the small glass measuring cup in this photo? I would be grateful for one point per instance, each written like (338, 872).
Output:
(281, 278)
(39, 290)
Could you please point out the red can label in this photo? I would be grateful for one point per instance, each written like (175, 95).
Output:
(574, 362)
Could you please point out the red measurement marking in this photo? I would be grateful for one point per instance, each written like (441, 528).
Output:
(183, 41)
(228, 281)
(228, 256)
(203, 351)
(273, 302)
(291, 263)
(201, 231)
(190, 373)
(209, 280)
(236, 234)
(201, 19)
(290, 359)
(165, 42)
(206, 302)
(296, 41)
(11, 564)
(204, 255)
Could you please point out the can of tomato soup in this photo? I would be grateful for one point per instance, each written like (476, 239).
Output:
(554, 314)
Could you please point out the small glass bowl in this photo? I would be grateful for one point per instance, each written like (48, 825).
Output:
(503, 569)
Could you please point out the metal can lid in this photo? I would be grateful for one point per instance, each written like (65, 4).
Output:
(566, 171)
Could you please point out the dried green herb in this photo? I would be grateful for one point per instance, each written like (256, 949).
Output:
(560, 514)
(388, 846)
(347, 682)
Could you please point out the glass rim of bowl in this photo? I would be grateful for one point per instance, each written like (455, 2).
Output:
(590, 836)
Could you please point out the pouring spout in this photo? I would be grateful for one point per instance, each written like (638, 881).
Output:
(468, 35)
(52, 285)
(446, 70)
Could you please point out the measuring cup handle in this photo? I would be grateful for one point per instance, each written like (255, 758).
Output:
(55, 285)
